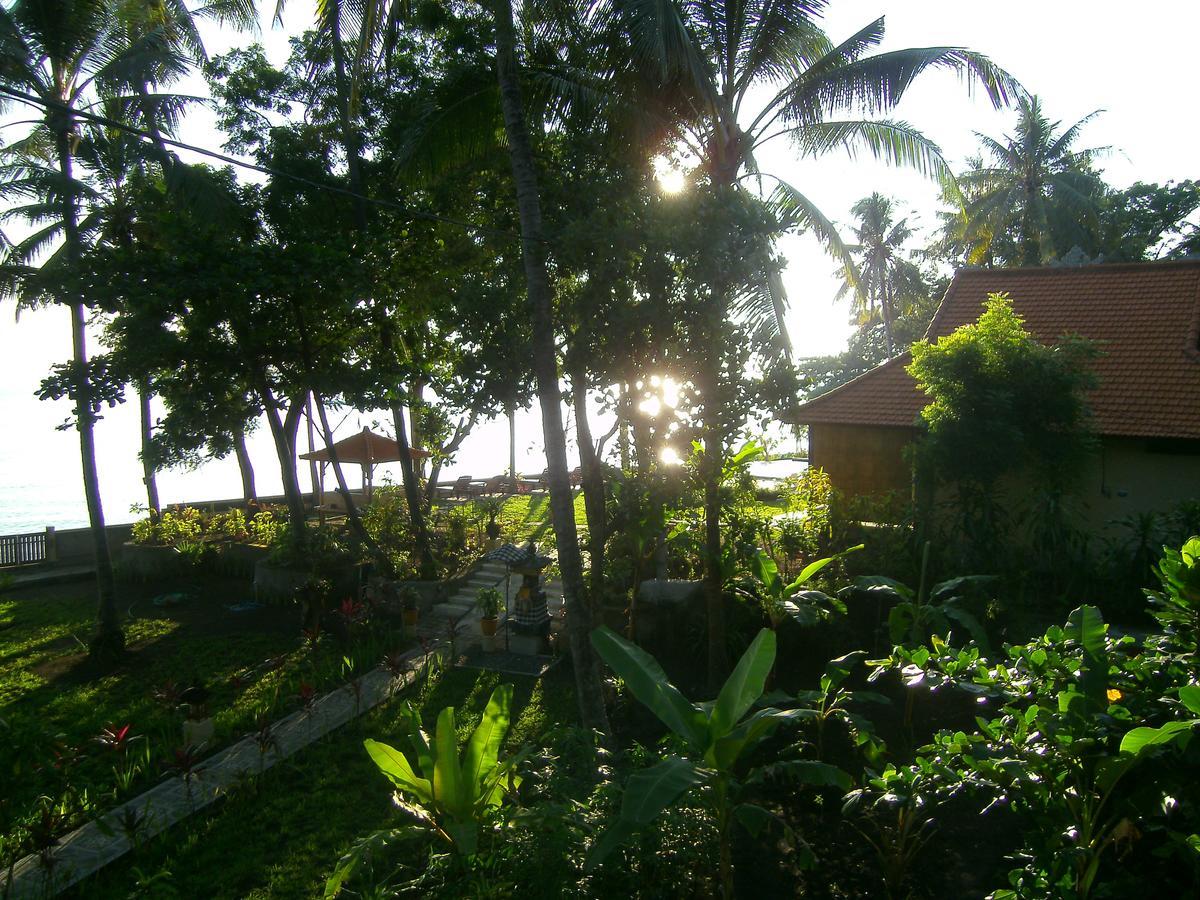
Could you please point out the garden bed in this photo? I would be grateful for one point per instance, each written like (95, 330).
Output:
(56, 704)
(322, 801)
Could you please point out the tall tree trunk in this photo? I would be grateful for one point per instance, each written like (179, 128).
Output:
(283, 433)
(511, 410)
(416, 433)
(714, 443)
(1031, 250)
(885, 309)
(356, 523)
(408, 474)
(533, 251)
(461, 430)
(109, 640)
(245, 468)
(623, 427)
(148, 471)
(593, 488)
(412, 496)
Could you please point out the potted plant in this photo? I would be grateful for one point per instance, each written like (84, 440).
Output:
(489, 599)
(491, 506)
(198, 726)
(408, 602)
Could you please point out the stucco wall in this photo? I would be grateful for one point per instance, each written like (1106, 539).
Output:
(862, 459)
(1126, 476)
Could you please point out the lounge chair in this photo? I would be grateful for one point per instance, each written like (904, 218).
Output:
(494, 485)
(538, 483)
(462, 488)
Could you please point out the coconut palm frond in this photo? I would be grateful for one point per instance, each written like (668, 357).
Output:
(239, 14)
(446, 138)
(662, 44)
(892, 141)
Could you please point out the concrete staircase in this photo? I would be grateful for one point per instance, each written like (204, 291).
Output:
(461, 610)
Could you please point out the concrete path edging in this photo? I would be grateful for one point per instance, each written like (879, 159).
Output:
(95, 844)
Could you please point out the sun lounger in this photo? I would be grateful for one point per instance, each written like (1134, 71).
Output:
(458, 489)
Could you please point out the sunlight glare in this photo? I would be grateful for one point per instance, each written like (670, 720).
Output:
(670, 392)
(671, 179)
(670, 457)
(651, 406)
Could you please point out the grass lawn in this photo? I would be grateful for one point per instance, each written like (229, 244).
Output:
(523, 517)
(54, 703)
(281, 836)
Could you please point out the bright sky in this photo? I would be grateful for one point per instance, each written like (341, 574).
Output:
(1138, 65)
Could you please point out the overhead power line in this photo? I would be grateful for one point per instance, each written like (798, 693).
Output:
(34, 100)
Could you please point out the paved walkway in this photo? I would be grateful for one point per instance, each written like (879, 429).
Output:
(98, 843)
(34, 576)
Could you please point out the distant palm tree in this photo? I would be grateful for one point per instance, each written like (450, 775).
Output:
(885, 283)
(707, 67)
(716, 62)
(1030, 187)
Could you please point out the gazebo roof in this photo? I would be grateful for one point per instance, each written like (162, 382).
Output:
(367, 449)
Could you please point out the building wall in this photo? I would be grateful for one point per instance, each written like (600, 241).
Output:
(1131, 475)
(1126, 476)
(862, 459)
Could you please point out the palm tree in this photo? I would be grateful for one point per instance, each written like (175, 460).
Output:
(373, 24)
(883, 282)
(61, 54)
(707, 65)
(545, 361)
(1034, 189)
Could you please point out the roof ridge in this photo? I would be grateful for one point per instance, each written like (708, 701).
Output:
(1145, 313)
(943, 305)
(1088, 267)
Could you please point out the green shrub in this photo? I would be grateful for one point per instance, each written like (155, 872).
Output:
(264, 527)
(228, 526)
(174, 528)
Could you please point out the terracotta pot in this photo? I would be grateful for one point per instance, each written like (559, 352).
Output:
(488, 626)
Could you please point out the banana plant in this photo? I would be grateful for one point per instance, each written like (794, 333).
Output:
(719, 737)
(450, 793)
(782, 601)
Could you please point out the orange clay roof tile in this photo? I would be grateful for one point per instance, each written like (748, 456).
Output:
(1144, 316)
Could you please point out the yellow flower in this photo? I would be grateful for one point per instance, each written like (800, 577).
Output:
(1113, 695)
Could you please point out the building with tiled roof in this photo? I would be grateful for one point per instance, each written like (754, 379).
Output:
(1145, 317)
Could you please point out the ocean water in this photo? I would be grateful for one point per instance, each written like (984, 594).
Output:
(40, 480)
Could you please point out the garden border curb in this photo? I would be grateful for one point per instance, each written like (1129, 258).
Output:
(97, 843)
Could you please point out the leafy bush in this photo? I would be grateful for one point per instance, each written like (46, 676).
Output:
(447, 797)
(228, 526)
(718, 740)
(264, 527)
(1002, 402)
(173, 528)
(1080, 713)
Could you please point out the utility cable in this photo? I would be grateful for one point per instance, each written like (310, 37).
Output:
(56, 106)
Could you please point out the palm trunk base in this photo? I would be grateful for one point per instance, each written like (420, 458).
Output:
(107, 646)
